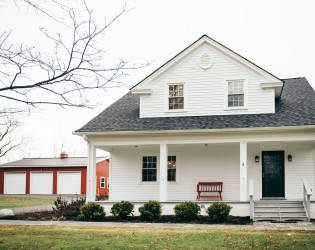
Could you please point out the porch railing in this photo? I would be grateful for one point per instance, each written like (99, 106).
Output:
(307, 192)
(251, 198)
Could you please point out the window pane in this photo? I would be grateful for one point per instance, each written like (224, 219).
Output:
(176, 99)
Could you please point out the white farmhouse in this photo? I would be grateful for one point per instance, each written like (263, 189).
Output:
(210, 115)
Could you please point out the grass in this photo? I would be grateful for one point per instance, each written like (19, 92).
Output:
(43, 237)
(11, 202)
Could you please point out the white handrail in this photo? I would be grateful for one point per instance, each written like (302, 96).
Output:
(251, 198)
(307, 192)
(307, 187)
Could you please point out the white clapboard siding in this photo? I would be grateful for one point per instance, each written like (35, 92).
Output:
(302, 166)
(194, 163)
(214, 162)
(205, 89)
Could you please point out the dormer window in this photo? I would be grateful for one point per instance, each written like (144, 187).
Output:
(176, 96)
(235, 94)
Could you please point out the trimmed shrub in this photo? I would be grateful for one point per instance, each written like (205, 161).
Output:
(92, 212)
(66, 208)
(151, 211)
(122, 209)
(218, 211)
(187, 211)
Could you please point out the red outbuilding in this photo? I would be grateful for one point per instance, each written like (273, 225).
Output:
(64, 175)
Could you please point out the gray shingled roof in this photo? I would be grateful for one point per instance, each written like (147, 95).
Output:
(296, 107)
(50, 162)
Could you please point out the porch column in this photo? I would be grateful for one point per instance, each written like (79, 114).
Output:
(243, 171)
(163, 172)
(91, 174)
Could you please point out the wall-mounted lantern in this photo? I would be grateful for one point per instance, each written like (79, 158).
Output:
(289, 157)
(256, 158)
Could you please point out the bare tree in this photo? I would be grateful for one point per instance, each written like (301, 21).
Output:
(68, 72)
(8, 125)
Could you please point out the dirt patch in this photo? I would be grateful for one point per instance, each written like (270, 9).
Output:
(52, 216)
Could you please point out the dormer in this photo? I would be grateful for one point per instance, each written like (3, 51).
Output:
(206, 79)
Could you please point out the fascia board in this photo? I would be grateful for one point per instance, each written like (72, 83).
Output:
(193, 131)
(142, 91)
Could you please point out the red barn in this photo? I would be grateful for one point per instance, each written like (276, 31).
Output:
(64, 175)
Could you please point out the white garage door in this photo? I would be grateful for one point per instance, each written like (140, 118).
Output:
(41, 183)
(69, 183)
(14, 183)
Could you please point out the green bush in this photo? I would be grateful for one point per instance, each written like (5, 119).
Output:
(151, 211)
(92, 212)
(122, 209)
(187, 211)
(218, 212)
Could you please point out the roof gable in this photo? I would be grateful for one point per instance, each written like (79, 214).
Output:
(271, 80)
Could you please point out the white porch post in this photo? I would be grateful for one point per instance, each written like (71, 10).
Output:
(91, 174)
(243, 171)
(163, 172)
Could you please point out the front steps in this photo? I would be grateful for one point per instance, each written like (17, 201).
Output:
(279, 210)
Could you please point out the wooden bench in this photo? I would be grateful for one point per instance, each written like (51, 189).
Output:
(209, 187)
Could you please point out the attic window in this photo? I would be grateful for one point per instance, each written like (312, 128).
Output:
(176, 96)
(236, 94)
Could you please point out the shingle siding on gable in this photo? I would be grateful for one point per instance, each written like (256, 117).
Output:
(205, 89)
(295, 108)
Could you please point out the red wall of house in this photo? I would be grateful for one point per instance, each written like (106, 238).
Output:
(54, 170)
(102, 170)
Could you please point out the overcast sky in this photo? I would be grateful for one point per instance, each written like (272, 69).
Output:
(277, 35)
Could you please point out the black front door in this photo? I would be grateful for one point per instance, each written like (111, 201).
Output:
(273, 173)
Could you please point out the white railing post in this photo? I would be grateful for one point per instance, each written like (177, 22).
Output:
(243, 171)
(307, 192)
(251, 198)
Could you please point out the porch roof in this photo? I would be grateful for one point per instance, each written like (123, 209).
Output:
(296, 107)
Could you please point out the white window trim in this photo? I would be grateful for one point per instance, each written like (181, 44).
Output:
(226, 91)
(107, 182)
(158, 168)
(166, 93)
(177, 164)
(141, 155)
(102, 182)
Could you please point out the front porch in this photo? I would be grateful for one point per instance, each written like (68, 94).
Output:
(202, 158)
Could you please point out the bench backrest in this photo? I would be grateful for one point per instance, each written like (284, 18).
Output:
(209, 186)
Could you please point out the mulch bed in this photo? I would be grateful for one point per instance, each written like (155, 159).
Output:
(52, 216)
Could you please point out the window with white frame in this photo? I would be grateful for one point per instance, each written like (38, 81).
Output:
(171, 168)
(107, 182)
(102, 185)
(175, 96)
(235, 94)
(149, 168)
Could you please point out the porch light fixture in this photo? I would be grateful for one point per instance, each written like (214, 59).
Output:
(289, 157)
(256, 158)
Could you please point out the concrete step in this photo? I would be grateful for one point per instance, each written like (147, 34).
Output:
(277, 209)
(279, 205)
(286, 214)
(277, 218)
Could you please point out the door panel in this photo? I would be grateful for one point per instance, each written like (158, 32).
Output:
(273, 173)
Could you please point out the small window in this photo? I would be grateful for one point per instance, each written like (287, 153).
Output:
(107, 182)
(102, 182)
(235, 94)
(171, 168)
(149, 168)
(176, 96)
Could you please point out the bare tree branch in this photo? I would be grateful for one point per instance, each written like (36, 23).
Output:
(8, 125)
(72, 70)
